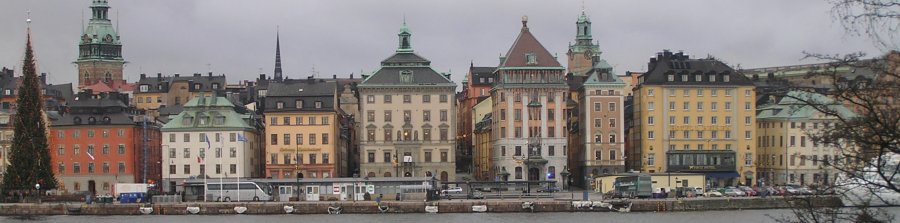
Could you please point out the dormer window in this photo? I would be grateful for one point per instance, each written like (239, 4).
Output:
(684, 78)
(197, 86)
(7, 92)
(215, 85)
(318, 104)
(712, 78)
(726, 78)
(406, 76)
(279, 105)
(298, 104)
(220, 120)
(530, 59)
(671, 77)
(145, 88)
(187, 120)
(698, 78)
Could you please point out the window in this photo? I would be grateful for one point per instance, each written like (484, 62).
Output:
(612, 123)
(671, 120)
(686, 106)
(426, 115)
(274, 139)
(232, 137)
(686, 120)
(598, 106)
(76, 149)
(671, 134)
(407, 99)
(287, 159)
(318, 104)
(517, 115)
(279, 105)
(714, 92)
(612, 106)
(370, 116)
(312, 120)
(76, 168)
(687, 134)
(325, 158)
(700, 120)
(407, 115)
(650, 120)
(324, 138)
(370, 98)
(370, 135)
(714, 134)
(427, 98)
(649, 92)
(298, 104)
(726, 78)
(684, 78)
(699, 91)
(444, 135)
(518, 132)
(90, 134)
(287, 121)
(443, 115)
(650, 106)
(387, 99)
(299, 139)
(233, 152)
(443, 98)
(371, 157)
(551, 151)
(700, 134)
(728, 91)
(671, 77)
(273, 120)
(172, 153)
(714, 105)
(727, 120)
(312, 138)
(700, 106)
(747, 120)
(518, 172)
(187, 137)
(650, 135)
(445, 156)
(387, 116)
(187, 169)
(672, 106)
(90, 167)
(287, 139)
(714, 120)
(612, 138)
(651, 159)
(728, 134)
(274, 158)
(121, 149)
(793, 141)
(427, 157)
(312, 158)
(687, 92)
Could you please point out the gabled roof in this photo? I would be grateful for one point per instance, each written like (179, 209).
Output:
(677, 64)
(212, 107)
(526, 43)
(802, 105)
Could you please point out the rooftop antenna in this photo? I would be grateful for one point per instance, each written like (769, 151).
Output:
(582, 7)
(209, 67)
(82, 20)
(117, 23)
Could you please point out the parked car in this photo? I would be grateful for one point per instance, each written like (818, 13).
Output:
(734, 192)
(476, 195)
(749, 190)
(713, 193)
(790, 190)
(548, 189)
(452, 190)
(805, 190)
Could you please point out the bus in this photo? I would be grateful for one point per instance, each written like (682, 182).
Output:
(228, 191)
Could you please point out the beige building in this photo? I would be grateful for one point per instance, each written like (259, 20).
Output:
(153, 93)
(303, 130)
(694, 116)
(409, 113)
(788, 153)
(6, 137)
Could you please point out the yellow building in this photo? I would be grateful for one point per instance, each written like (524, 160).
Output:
(481, 132)
(303, 131)
(694, 116)
(6, 137)
(788, 153)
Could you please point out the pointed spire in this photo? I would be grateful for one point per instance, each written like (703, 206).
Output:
(277, 53)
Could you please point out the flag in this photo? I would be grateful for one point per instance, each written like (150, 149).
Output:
(199, 159)
(89, 155)
(242, 138)
(207, 141)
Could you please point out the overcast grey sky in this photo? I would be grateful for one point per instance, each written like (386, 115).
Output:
(342, 37)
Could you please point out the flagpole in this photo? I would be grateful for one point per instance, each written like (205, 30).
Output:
(220, 167)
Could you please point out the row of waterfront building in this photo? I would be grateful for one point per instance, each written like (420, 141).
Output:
(529, 118)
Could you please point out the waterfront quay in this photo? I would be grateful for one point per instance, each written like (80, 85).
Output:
(391, 207)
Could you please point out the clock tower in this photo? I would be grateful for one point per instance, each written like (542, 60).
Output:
(583, 53)
(99, 50)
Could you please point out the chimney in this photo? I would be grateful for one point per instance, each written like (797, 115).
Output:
(755, 77)
(143, 76)
(351, 75)
(177, 74)
(771, 75)
(43, 78)
(197, 74)
(262, 77)
(209, 74)
(334, 76)
(158, 75)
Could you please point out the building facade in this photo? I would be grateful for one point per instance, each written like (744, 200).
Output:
(481, 138)
(154, 93)
(602, 131)
(304, 130)
(694, 116)
(476, 88)
(100, 49)
(6, 137)
(409, 116)
(210, 138)
(529, 99)
(101, 142)
(788, 153)
(582, 54)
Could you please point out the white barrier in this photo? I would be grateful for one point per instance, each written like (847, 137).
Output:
(193, 210)
(240, 210)
(431, 209)
(479, 208)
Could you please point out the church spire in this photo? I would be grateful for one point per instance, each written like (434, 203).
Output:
(405, 38)
(277, 54)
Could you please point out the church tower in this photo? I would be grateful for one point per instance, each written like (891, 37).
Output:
(582, 53)
(278, 74)
(99, 51)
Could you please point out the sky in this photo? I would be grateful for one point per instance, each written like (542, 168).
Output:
(237, 38)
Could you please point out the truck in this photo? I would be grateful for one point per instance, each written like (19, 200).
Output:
(639, 186)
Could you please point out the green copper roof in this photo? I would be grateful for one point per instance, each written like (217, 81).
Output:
(583, 18)
(802, 105)
(208, 112)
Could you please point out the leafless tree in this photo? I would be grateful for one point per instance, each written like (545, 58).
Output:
(877, 19)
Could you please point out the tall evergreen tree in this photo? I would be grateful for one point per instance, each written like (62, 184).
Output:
(29, 155)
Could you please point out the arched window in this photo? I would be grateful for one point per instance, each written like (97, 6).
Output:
(386, 174)
(445, 177)
(372, 174)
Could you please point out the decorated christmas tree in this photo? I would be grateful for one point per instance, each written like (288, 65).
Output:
(29, 156)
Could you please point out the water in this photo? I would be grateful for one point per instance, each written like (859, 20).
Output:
(744, 216)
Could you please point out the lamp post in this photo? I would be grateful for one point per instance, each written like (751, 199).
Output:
(38, 188)
(504, 176)
(565, 177)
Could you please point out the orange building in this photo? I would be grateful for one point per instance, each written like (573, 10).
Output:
(100, 142)
(476, 87)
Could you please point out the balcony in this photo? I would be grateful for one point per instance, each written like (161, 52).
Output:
(701, 161)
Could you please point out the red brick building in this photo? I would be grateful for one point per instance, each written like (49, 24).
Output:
(99, 141)
(476, 87)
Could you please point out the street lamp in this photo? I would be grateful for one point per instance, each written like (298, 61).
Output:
(38, 188)
(504, 176)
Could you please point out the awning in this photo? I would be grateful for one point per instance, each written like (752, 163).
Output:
(722, 175)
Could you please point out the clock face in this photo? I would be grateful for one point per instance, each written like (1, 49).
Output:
(588, 54)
